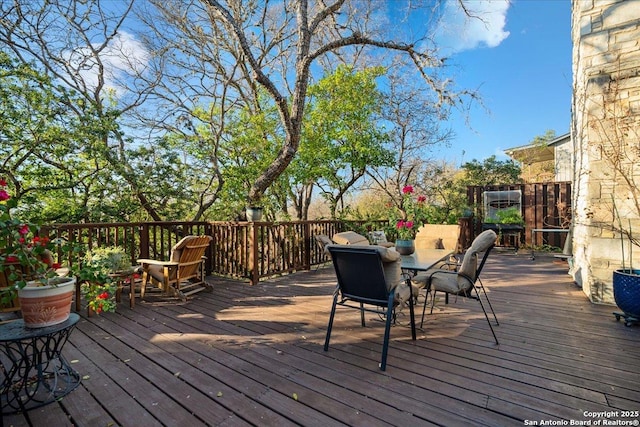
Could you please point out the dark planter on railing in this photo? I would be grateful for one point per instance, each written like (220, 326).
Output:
(626, 292)
(254, 213)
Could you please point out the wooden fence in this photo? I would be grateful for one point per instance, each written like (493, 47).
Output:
(544, 206)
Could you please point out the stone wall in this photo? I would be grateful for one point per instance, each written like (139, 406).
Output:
(605, 134)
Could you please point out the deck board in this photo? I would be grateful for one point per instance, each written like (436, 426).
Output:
(253, 355)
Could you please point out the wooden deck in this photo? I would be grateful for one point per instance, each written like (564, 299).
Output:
(245, 355)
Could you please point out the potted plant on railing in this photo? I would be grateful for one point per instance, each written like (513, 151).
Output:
(26, 262)
(254, 210)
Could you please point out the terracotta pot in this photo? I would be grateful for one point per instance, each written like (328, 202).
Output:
(43, 306)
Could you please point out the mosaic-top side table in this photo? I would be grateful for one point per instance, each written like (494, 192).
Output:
(34, 370)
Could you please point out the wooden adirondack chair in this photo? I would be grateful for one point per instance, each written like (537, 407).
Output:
(183, 274)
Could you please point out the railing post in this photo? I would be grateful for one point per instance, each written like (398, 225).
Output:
(254, 274)
(208, 262)
(307, 245)
(144, 240)
(466, 232)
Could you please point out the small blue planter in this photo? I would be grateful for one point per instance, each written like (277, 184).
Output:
(405, 247)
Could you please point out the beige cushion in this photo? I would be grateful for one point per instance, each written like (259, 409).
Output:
(455, 282)
(386, 254)
(176, 250)
(350, 238)
(480, 244)
(447, 281)
(438, 236)
(429, 243)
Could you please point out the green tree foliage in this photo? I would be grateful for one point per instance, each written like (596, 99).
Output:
(440, 184)
(535, 169)
(79, 46)
(194, 107)
(491, 171)
(445, 188)
(342, 136)
(279, 45)
(543, 140)
(250, 144)
(46, 148)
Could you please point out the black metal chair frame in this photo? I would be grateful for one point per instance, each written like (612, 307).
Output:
(321, 247)
(475, 284)
(361, 281)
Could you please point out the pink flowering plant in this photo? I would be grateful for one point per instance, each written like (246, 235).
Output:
(25, 256)
(413, 214)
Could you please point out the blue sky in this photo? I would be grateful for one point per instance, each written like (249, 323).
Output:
(524, 79)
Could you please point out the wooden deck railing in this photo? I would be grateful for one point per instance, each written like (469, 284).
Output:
(255, 250)
(243, 250)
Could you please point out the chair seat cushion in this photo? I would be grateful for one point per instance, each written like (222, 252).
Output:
(156, 271)
(441, 280)
(447, 281)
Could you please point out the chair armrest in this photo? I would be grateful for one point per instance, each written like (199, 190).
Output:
(452, 264)
(156, 262)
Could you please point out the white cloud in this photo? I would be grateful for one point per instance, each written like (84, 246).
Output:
(124, 56)
(458, 31)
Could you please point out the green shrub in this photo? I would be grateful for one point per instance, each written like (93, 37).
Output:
(509, 216)
(111, 258)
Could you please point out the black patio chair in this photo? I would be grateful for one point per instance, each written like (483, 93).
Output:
(362, 285)
(465, 281)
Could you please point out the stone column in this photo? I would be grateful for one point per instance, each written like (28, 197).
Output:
(605, 135)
